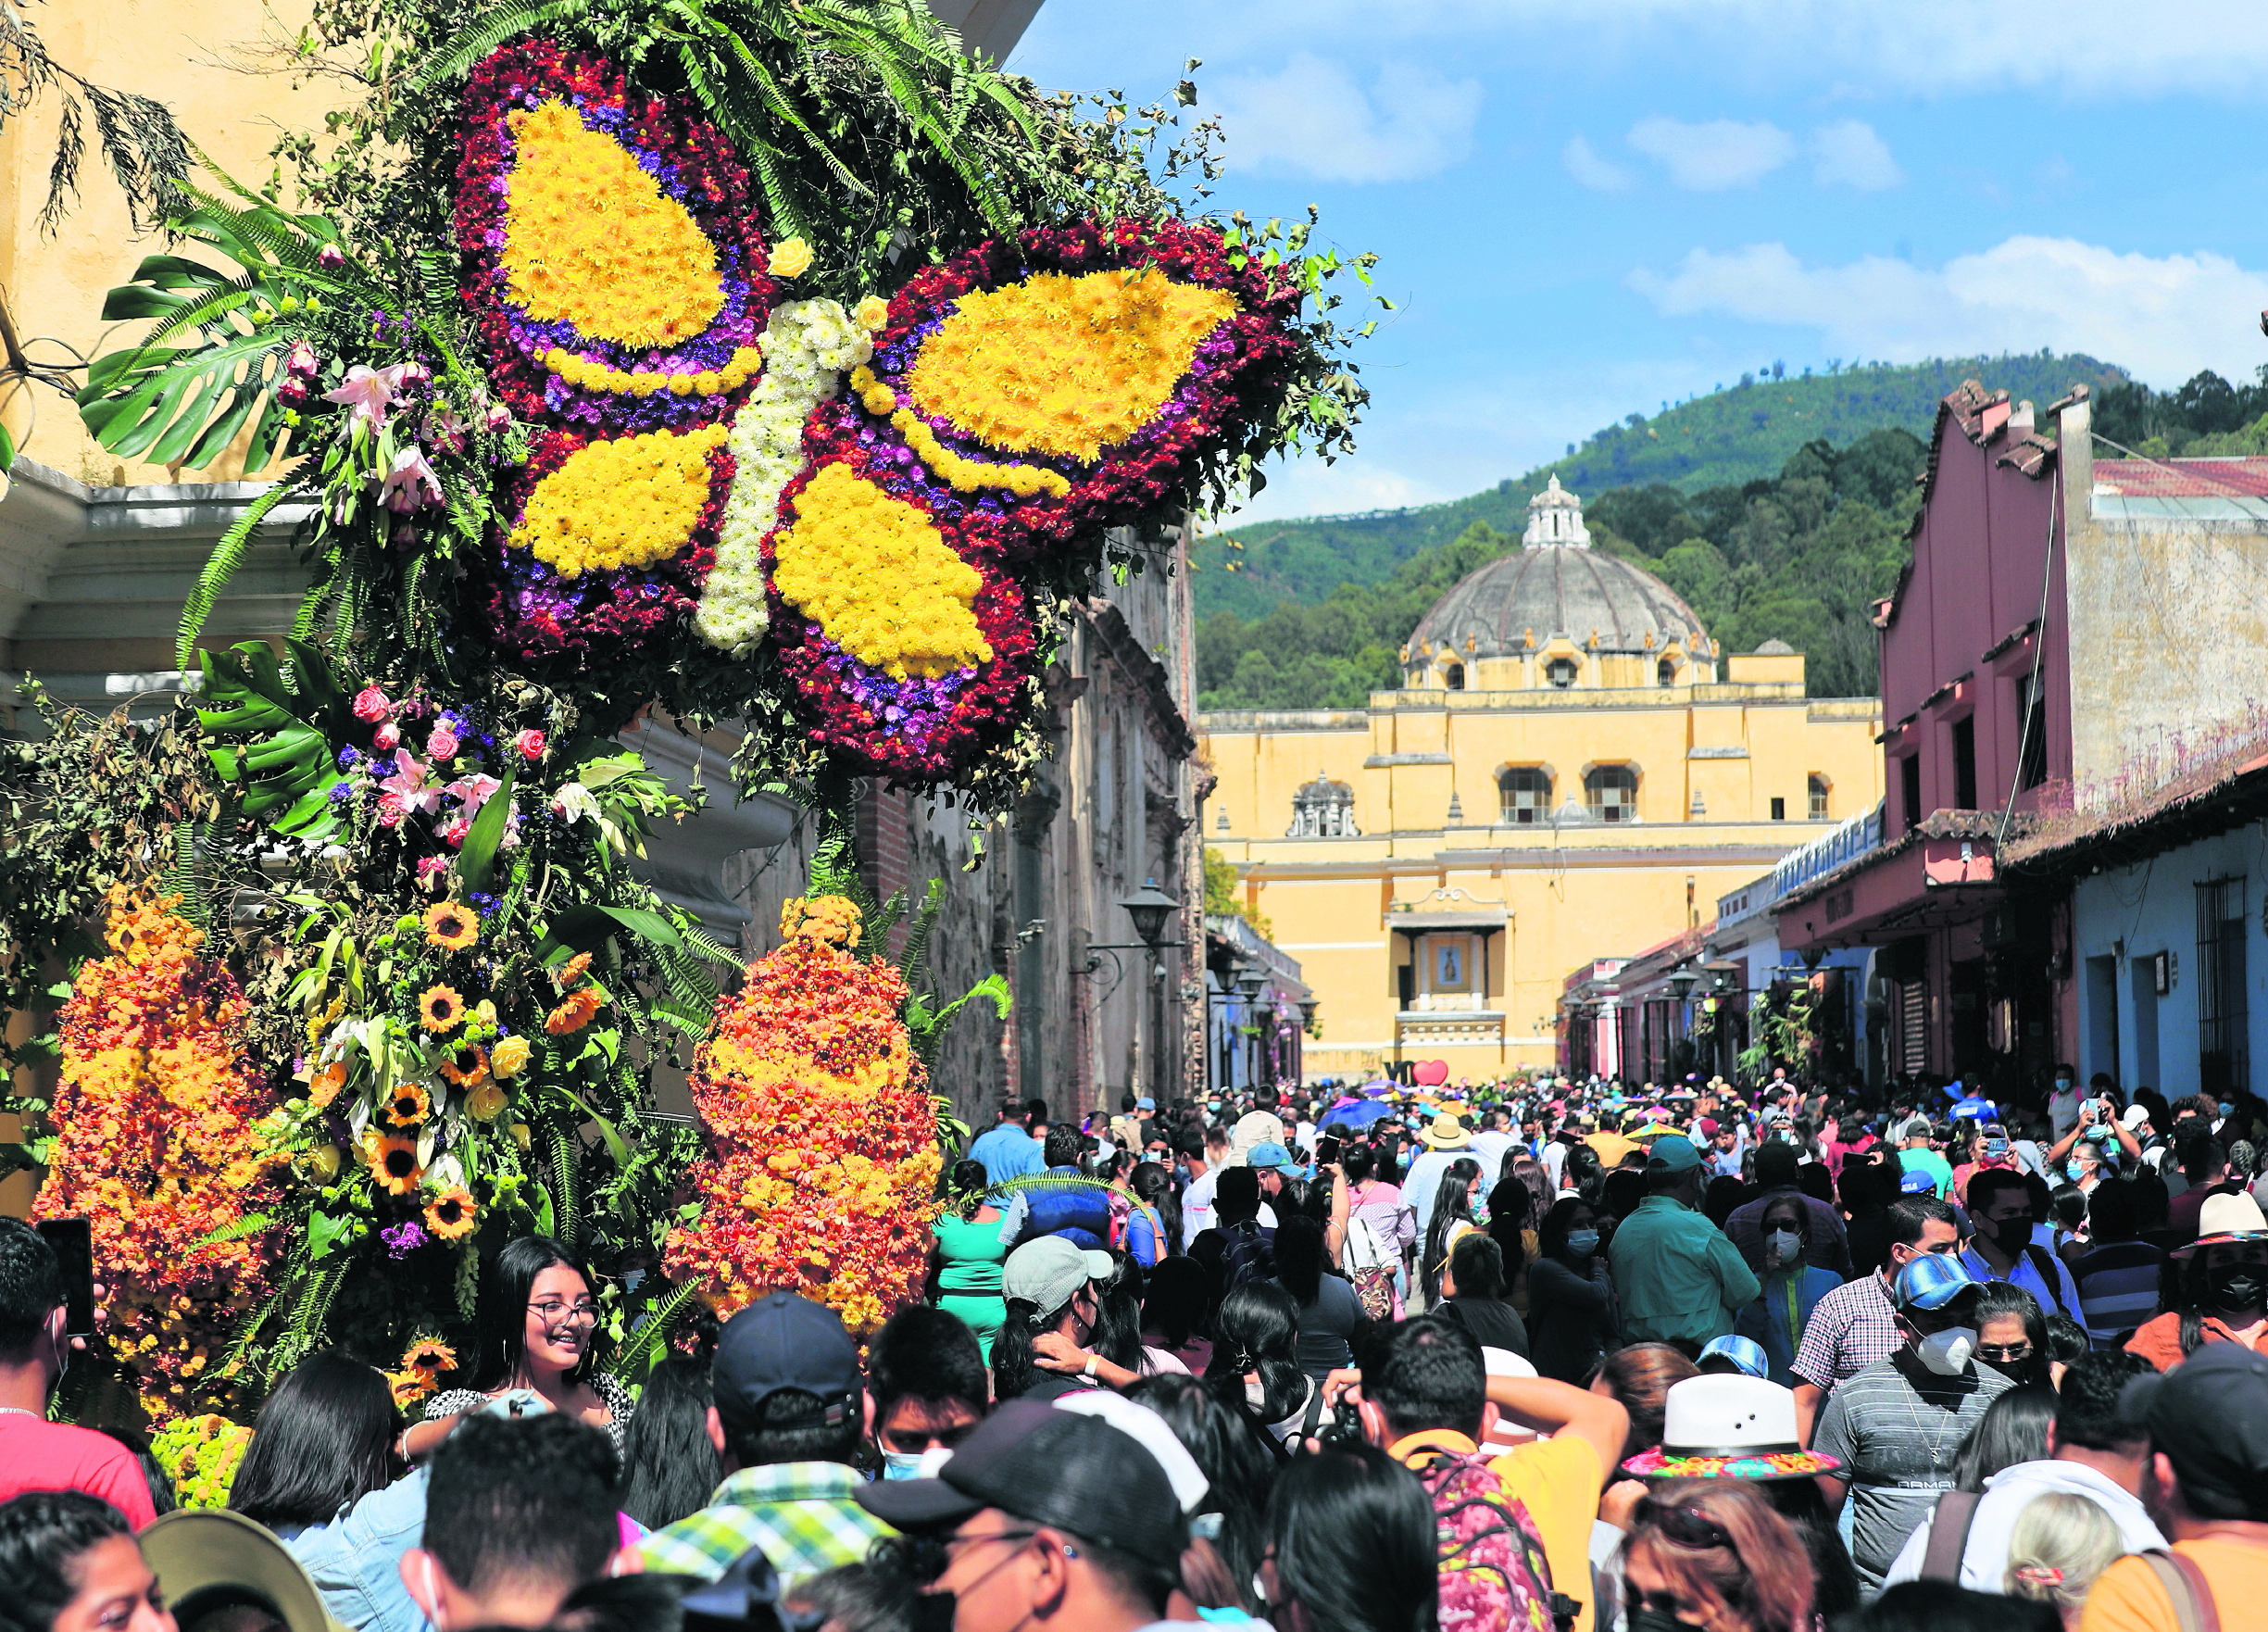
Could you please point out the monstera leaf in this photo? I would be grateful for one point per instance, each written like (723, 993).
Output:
(284, 760)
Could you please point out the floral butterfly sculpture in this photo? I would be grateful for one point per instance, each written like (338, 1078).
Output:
(879, 497)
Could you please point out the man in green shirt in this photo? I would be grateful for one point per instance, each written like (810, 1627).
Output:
(1676, 1273)
(1919, 1157)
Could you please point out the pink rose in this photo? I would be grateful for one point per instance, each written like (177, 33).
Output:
(391, 809)
(530, 744)
(454, 834)
(371, 705)
(388, 737)
(431, 867)
(329, 258)
(498, 416)
(441, 745)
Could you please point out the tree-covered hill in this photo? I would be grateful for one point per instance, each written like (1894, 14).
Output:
(1737, 434)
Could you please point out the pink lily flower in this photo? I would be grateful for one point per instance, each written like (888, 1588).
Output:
(412, 485)
(408, 781)
(367, 392)
(473, 790)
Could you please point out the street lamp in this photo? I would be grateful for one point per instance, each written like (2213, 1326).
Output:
(1250, 978)
(1149, 908)
(1307, 1012)
(1680, 984)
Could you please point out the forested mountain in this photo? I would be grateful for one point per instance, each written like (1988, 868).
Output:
(1745, 432)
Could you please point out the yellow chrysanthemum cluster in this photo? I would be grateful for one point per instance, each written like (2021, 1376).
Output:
(879, 579)
(592, 239)
(747, 363)
(626, 503)
(966, 475)
(1065, 365)
(201, 1455)
(835, 920)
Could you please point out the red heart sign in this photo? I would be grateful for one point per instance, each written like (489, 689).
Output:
(1430, 1073)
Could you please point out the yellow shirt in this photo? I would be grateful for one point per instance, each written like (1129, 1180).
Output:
(1558, 1480)
(2128, 1598)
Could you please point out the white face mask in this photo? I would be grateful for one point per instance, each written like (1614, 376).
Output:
(1947, 1352)
(901, 1464)
(1787, 1243)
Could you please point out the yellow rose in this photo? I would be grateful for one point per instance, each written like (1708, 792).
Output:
(508, 1057)
(486, 1102)
(323, 1162)
(791, 259)
(523, 1137)
(873, 312)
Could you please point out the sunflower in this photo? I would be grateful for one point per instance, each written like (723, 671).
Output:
(509, 1058)
(410, 1388)
(451, 1214)
(486, 1102)
(326, 1084)
(450, 925)
(440, 1009)
(408, 1105)
(574, 970)
(429, 1356)
(393, 1163)
(572, 1014)
(468, 1068)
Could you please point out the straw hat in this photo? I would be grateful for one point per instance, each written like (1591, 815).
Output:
(2225, 1218)
(1447, 1132)
(1729, 1427)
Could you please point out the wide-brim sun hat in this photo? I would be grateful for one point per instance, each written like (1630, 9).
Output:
(1447, 1132)
(2224, 1219)
(216, 1555)
(1729, 1427)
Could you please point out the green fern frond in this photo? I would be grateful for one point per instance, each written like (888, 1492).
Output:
(1050, 1182)
(251, 1223)
(219, 567)
(650, 1343)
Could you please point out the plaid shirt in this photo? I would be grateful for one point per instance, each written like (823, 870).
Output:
(1851, 1330)
(804, 1514)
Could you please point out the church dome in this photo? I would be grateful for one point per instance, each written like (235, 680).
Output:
(1558, 589)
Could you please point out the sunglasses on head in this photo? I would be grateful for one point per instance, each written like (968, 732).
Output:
(1685, 1525)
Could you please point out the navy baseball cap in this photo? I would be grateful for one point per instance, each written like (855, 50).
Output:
(783, 1340)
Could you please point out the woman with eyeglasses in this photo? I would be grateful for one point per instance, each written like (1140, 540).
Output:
(2012, 1337)
(1715, 1553)
(537, 1321)
(1349, 1546)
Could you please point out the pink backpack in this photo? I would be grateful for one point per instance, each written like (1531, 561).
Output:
(1494, 1573)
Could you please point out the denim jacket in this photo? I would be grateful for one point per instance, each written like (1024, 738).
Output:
(356, 1559)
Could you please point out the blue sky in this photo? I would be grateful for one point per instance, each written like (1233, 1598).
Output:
(1585, 210)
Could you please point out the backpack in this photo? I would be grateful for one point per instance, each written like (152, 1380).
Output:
(1248, 1257)
(1494, 1575)
(1369, 1268)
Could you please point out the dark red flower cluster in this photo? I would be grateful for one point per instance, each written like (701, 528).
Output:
(595, 618)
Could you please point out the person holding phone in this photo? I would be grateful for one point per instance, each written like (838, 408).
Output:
(35, 1350)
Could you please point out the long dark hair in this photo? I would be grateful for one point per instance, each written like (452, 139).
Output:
(2013, 1429)
(2002, 1298)
(1558, 1222)
(1589, 1173)
(1118, 1322)
(1155, 1186)
(1299, 1259)
(1012, 1370)
(2194, 1297)
(1354, 1538)
(504, 1309)
(322, 1441)
(1452, 1204)
(1173, 1300)
(43, 1536)
(1237, 1465)
(965, 1189)
(670, 1465)
(1258, 1331)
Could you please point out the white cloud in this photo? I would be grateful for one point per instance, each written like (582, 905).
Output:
(1711, 156)
(1313, 119)
(1848, 154)
(2164, 317)
(1584, 163)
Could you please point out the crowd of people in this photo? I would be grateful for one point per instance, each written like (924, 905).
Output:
(1536, 1354)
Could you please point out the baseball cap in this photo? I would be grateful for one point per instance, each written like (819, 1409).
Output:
(1065, 1469)
(2210, 1415)
(1744, 1353)
(206, 1558)
(1707, 1124)
(1673, 1153)
(1047, 1271)
(1268, 1154)
(1931, 1281)
(783, 1340)
(1146, 1103)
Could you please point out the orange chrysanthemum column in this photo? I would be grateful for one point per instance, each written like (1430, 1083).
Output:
(823, 1143)
(157, 1146)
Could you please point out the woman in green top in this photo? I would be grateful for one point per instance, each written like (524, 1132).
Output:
(1792, 1288)
(966, 1255)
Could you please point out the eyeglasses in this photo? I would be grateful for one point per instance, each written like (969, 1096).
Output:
(555, 1310)
(1685, 1525)
(2000, 1351)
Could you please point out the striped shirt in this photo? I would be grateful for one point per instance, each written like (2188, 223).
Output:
(804, 1514)
(1850, 1329)
(2118, 1287)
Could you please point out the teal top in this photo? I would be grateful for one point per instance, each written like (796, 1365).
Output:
(970, 1255)
(1676, 1273)
(1930, 1162)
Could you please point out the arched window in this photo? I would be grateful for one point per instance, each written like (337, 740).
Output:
(1611, 791)
(1453, 676)
(1324, 809)
(1560, 672)
(1527, 795)
(1819, 797)
(1665, 672)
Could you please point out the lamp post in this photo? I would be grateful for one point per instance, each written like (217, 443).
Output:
(1149, 908)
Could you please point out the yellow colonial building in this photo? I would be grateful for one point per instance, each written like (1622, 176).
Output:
(1572, 770)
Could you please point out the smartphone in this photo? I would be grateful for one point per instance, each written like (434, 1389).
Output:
(73, 1240)
(1327, 1149)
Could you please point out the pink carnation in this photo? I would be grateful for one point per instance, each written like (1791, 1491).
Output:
(388, 737)
(454, 834)
(530, 744)
(371, 705)
(392, 808)
(441, 745)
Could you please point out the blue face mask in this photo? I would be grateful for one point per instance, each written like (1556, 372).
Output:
(2227, 1109)
(901, 1464)
(2075, 1171)
(1583, 1243)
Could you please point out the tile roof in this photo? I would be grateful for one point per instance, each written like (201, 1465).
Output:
(2212, 478)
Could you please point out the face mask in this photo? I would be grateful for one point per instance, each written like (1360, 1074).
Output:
(2075, 1171)
(2008, 1233)
(901, 1464)
(2238, 1287)
(2227, 1109)
(1787, 1243)
(1646, 1618)
(2062, 1085)
(1583, 1243)
(1947, 1352)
